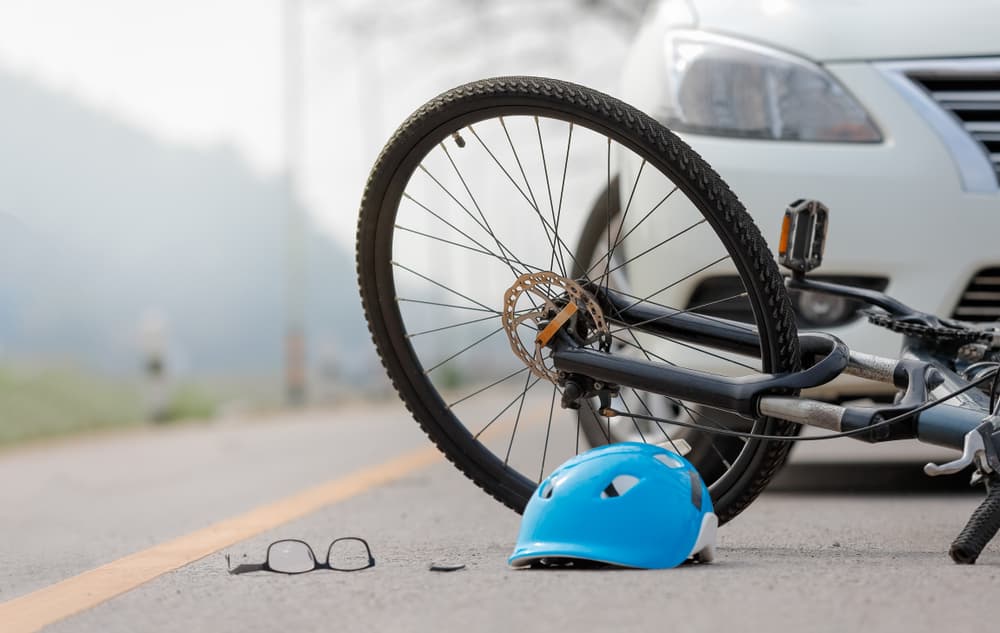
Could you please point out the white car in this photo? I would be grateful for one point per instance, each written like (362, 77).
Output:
(888, 112)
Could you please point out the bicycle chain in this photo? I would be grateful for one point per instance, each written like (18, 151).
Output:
(942, 335)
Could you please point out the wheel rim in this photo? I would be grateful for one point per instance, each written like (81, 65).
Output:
(462, 228)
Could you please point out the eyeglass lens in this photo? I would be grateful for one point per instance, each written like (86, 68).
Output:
(290, 557)
(349, 554)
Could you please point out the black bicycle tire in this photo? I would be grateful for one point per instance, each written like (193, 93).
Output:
(631, 128)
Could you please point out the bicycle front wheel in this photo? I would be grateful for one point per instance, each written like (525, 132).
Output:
(467, 239)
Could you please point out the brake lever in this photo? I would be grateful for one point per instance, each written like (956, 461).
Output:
(972, 448)
(978, 448)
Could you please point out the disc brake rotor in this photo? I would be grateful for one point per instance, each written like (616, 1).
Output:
(554, 301)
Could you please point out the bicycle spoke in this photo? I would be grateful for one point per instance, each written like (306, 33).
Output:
(442, 286)
(735, 324)
(441, 239)
(598, 260)
(712, 354)
(447, 305)
(649, 356)
(682, 405)
(534, 201)
(509, 405)
(506, 261)
(461, 232)
(468, 213)
(464, 349)
(449, 327)
(576, 450)
(607, 209)
(648, 299)
(715, 449)
(642, 349)
(475, 203)
(649, 412)
(553, 243)
(517, 159)
(664, 317)
(635, 423)
(656, 246)
(548, 429)
(545, 169)
(607, 435)
(489, 386)
(615, 243)
(682, 279)
(517, 420)
(710, 422)
(562, 186)
(552, 209)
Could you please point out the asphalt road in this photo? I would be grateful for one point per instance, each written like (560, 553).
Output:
(831, 548)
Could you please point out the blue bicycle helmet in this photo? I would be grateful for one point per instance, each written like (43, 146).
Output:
(627, 504)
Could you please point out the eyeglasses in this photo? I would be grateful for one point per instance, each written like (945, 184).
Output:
(292, 556)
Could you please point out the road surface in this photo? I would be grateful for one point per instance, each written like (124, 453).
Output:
(91, 529)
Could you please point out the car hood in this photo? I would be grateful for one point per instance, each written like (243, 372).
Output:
(826, 30)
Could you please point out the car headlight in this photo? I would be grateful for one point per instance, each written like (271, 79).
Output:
(728, 87)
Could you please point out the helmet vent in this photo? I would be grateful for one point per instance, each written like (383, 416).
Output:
(619, 486)
(669, 460)
(546, 491)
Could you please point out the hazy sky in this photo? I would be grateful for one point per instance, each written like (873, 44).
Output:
(190, 71)
(209, 72)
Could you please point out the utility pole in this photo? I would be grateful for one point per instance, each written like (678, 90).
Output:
(295, 238)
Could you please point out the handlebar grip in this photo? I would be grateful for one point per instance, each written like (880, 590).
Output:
(981, 528)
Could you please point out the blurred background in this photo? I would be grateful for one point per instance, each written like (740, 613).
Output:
(180, 184)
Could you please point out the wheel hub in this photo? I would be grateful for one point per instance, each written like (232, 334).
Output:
(548, 303)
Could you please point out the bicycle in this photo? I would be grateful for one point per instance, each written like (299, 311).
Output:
(494, 285)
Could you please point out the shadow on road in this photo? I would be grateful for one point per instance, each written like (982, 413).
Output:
(866, 478)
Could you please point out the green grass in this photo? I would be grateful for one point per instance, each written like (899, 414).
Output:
(49, 402)
(189, 402)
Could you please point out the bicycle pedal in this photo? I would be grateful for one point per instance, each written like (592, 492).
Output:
(803, 236)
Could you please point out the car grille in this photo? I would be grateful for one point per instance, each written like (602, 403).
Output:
(981, 299)
(971, 95)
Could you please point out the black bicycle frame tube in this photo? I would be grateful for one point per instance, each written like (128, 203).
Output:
(947, 425)
(738, 394)
(735, 394)
(825, 356)
(721, 334)
(691, 327)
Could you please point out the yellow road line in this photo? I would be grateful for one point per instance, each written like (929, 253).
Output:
(45, 606)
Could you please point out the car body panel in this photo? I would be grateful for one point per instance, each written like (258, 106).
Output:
(898, 208)
(816, 28)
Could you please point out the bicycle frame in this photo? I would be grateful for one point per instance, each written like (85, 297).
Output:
(918, 372)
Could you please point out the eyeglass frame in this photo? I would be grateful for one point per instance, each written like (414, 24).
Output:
(244, 568)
